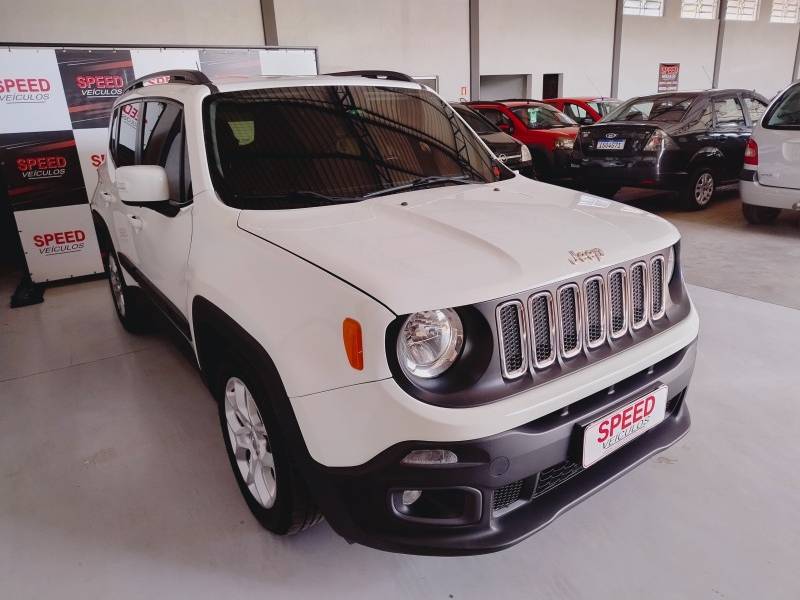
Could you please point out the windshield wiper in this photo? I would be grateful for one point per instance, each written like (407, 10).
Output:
(300, 195)
(422, 182)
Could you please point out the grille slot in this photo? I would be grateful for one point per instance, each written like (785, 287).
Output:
(638, 295)
(595, 311)
(506, 496)
(554, 476)
(569, 316)
(618, 301)
(543, 331)
(513, 352)
(658, 288)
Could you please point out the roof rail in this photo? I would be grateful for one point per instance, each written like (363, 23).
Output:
(375, 74)
(189, 76)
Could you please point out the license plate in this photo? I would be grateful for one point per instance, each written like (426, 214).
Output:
(610, 144)
(614, 430)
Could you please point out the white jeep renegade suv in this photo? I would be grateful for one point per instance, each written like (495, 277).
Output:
(437, 355)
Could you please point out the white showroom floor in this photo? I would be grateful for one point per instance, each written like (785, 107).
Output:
(114, 482)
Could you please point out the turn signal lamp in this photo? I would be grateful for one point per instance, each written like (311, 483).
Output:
(353, 344)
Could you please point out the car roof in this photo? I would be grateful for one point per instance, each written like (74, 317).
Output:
(508, 103)
(582, 99)
(183, 90)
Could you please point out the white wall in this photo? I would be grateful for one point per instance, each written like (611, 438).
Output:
(121, 22)
(573, 37)
(758, 55)
(648, 41)
(417, 37)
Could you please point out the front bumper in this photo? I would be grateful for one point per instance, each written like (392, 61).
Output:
(635, 171)
(757, 194)
(505, 486)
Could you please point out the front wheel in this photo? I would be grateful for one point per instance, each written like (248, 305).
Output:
(760, 215)
(131, 305)
(271, 485)
(699, 189)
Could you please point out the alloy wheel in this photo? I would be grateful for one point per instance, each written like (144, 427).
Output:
(250, 442)
(704, 189)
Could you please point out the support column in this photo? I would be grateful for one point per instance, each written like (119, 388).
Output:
(617, 48)
(474, 51)
(268, 22)
(723, 10)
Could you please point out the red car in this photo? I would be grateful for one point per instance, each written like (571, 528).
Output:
(587, 110)
(548, 133)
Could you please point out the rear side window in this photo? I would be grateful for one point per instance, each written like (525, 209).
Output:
(756, 108)
(130, 114)
(112, 137)
(575, 112)
(728, 112)
(785, 113)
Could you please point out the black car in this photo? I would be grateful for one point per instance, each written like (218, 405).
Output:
(689, 142)
(514, 154)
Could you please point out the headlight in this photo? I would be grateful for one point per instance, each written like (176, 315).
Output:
(565, 143)
(670, 263)
(525, 154)
(430, 342)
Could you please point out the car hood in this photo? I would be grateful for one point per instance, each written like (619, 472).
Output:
(462, 244)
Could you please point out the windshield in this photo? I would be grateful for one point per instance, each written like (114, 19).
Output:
(667, 109)
(785, 113)
(474, 120)
(542, 116)
(305, 146)
(603, 107)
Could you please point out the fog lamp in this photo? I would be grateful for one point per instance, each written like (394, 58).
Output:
(410, 496)
(430, 457)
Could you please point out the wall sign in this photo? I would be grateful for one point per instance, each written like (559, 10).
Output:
(668, 77)
(54, 109)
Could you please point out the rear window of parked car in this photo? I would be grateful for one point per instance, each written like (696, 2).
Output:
(785, 113)
(669, 109)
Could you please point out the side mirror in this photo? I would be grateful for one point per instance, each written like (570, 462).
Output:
(587, 121)
(142, 183)
(506, 127)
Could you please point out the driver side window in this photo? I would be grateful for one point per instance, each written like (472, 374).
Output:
(575, 112)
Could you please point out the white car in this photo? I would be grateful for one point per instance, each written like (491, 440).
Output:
(770, 179)
(437, 355)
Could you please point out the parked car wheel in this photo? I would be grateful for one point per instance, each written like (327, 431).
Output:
(699, 189)
(760, 215)
(132, 307)
(272, 487)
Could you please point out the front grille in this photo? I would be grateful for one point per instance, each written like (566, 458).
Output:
(638, 296)
(513, 352)
(506, 496)
(579, 316)
(595, 311)
(569, 319)
(658, 293)
(554, 476)
(542, 329)
(618, 309)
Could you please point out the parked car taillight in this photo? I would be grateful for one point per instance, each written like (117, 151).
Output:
(658, 141)
(751, 153)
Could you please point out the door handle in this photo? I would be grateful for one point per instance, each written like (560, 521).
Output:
(107, 197)
(135, 222)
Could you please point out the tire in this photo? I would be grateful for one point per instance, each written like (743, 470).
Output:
(699, 189)
(132, 307)
(271, 485)
(605, 190)
(760, 215)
